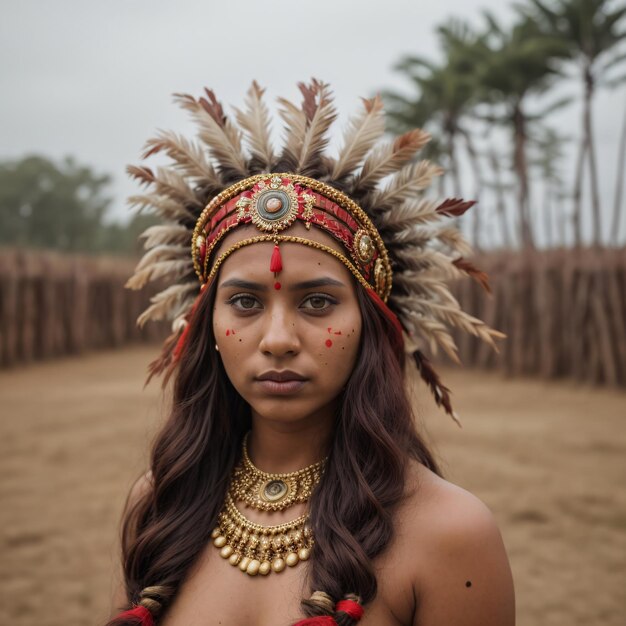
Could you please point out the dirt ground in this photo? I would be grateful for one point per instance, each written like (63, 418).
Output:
(548, 458)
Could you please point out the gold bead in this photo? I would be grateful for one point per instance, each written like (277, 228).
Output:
(215, 533)
(253, 567)
(243, 564)
(265, 568)
(219, 542)
(292, 559)
(304, 554)
(278, 565)
(226, 551)
(233, 559)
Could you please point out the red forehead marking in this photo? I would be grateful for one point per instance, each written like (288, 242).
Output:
(277, 285)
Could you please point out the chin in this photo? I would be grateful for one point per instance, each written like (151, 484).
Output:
(285, 410)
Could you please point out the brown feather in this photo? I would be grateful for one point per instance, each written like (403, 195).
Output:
(217, 132)
(320, 113)
(479, 276)
(406, 183)
(389, 158)
(256, 122)
(455, 207)
(432, 380)
(187, 155)
(363, 130)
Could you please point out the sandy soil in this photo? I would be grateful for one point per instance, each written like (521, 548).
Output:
(548, 458)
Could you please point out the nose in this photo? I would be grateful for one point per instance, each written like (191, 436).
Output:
(280, 333)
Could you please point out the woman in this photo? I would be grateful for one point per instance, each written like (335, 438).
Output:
(289, 484)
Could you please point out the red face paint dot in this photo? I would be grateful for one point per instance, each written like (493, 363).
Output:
(329, 343)
(277, 285)
(329, 329)
(338, 332)
(227, 333)
(233, 332)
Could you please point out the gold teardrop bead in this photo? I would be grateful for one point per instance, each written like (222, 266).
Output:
(243, 564)
(265, 568)
(233, 559)
(253, 567)
(215, 533)
(220, 541)
(292, 559)
(304, 554)
(226, 551)
(278, 565)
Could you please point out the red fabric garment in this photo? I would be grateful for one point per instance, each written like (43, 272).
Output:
(142, 613)
(352, 608)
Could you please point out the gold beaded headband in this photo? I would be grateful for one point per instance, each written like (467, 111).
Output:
(272, 203)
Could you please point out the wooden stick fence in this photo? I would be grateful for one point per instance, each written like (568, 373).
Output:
(53, 304)
(564, 313)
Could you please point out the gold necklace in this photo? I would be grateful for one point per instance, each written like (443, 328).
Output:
(258, 549)
(272, 492)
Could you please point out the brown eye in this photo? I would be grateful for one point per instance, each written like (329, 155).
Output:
(246, 302)
(243, 302)
(319, 303)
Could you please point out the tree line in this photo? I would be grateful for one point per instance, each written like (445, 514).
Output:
(61, 206)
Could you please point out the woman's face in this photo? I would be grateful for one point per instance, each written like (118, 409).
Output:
(289, 343)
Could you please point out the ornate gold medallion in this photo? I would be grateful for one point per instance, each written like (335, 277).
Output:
(363, 246)
(272, 492)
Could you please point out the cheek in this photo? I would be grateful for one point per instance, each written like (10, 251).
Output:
(229, 333)
(336, 348)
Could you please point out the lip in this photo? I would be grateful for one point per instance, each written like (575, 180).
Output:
(282, 376)
(285, 387)
(284, 382)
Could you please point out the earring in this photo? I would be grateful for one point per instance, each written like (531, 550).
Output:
(217, 348)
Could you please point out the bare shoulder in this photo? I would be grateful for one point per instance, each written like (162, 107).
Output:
(460, 570)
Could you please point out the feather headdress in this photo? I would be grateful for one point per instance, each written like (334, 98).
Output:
(415, 238)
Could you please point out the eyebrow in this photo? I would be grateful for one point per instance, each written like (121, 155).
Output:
(307, 284)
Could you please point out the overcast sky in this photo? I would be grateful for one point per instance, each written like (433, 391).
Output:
(94, 79)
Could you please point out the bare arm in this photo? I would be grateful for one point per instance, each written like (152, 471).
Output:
(467, 581)
(118, 595)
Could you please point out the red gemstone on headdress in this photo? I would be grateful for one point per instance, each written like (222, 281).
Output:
(276, 262)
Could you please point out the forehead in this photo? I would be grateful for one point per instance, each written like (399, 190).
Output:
(299, 261)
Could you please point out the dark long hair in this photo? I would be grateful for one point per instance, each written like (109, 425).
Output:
(351, 510)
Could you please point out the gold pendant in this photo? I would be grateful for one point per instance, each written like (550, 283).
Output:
(272, 492)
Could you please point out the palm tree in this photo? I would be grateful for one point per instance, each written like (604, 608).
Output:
(592, 29)
(445, 93)
(518, 63)
(549, 154)
(619, 182)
